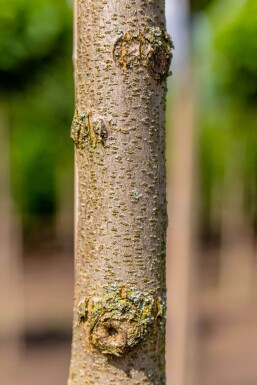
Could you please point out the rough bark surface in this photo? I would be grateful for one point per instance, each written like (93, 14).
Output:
(122, 58)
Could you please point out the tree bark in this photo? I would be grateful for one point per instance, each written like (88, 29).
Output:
(122, 56)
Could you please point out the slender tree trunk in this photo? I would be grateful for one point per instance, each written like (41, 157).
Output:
(122, 57)
(181, 265)
(11, 290)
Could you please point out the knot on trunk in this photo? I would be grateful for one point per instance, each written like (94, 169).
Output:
(120, 320)
(88, 129)
(151, 48)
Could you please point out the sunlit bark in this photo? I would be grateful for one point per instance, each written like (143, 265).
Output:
(122, 56)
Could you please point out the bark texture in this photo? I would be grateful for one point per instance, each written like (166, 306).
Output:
(122, 58)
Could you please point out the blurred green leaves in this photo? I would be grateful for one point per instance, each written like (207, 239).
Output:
(237, 42)
(31, 34)
(36, 88)
(226, 62)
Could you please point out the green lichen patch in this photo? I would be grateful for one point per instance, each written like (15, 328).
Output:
(88, 129)
(79, 129)
(151, 48)
(120, 320)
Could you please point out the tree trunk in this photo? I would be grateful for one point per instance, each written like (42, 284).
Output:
(122, 56)
(181, 266)
(11, 290)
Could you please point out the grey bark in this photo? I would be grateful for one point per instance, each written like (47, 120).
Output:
(122, 57)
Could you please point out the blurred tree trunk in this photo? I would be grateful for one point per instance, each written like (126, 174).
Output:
(11, 290)
(122, 56)
(237, 242)
(181, 266)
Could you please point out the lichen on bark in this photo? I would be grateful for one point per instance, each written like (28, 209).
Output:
(121, 319)
(121, 61)
(88, 130)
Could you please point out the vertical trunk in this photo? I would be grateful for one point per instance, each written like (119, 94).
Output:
(237, 248)
(11, 299)
(122, 58)
(181, 269)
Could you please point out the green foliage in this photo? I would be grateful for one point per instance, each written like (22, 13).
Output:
(227, 71)
(237, 42)
(197, 5)
(31, 34)
(36, 78)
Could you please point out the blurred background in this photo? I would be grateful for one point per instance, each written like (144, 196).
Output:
(212, 192)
